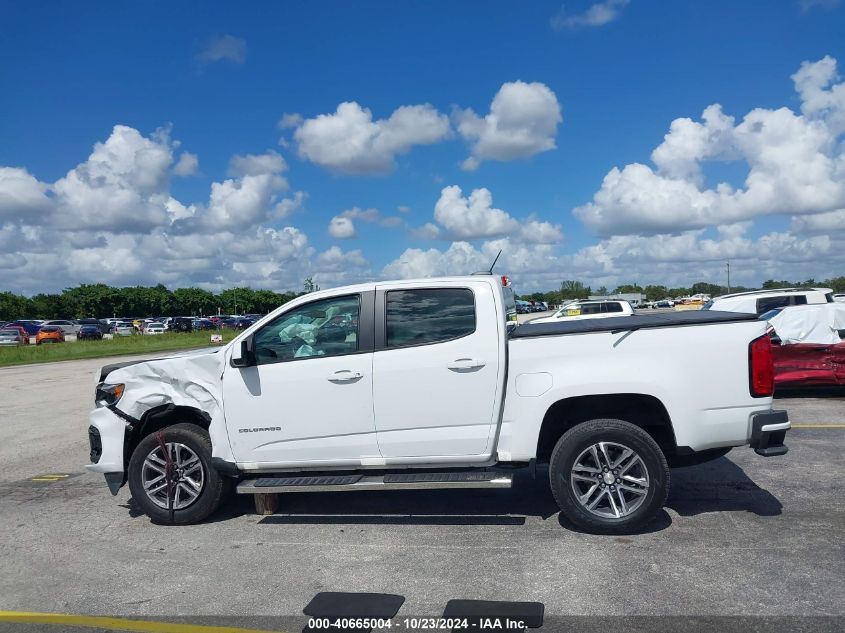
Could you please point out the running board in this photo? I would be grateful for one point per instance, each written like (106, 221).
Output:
(396, 481)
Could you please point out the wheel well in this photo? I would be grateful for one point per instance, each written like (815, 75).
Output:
(159, 417)
(645, 411)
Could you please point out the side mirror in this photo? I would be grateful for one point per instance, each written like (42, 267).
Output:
(243, 356)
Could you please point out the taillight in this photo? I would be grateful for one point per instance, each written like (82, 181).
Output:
(761, 367)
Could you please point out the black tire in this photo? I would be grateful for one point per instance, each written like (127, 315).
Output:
(578, 439)
(215, 488)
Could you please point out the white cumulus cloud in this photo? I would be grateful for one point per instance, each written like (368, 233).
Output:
(270, 162)
(474, 217)
(796, 166)
(522, 122)
(223, 48)
(187, 165)
(350, 141)
(373, 216)
(113, 219)
(342, 228)
(22, 196)
(124, 184)
(597, 14)
(821, 97)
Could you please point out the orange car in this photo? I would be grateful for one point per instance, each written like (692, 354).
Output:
(50, 334)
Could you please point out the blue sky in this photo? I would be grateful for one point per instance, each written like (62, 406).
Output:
(220, 77)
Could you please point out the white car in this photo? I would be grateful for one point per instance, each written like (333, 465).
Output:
(761, 301)
(586, 309)
(839, 297)
(152, 329)
(124, 328)
(11, 337)
(422, 384)
(67, 327)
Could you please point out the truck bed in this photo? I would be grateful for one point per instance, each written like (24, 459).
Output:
(633, 322)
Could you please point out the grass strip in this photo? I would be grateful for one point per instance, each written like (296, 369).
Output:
(118, 346)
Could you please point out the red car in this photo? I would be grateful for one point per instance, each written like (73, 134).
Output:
(808, 344)
(809, 364)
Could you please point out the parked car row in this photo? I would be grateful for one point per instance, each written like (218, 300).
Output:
(25, 331)
(528, 307)
(17, 335)
(660, 303)
(577, 310)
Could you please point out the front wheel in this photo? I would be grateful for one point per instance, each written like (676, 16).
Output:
(608, 476)
(193, 490)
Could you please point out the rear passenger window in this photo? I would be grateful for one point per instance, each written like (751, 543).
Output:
(421, 317)
(614, 307)
(590, 308)
(769, 303)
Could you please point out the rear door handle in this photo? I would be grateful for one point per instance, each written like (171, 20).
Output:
(345, 375)
(465, 363)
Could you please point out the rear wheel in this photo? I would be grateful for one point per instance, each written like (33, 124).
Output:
(194, 490)
(608, 476)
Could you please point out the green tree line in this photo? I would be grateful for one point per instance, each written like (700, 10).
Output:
(102, 301)
(573, 289)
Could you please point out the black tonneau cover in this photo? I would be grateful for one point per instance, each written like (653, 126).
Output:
(633, 322)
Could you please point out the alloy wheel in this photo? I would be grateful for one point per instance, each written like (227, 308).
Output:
(187, 475)
(609, 480)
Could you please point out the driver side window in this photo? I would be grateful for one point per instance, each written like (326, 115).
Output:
(322, 328)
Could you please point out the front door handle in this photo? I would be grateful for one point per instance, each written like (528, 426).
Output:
(463, 364)
(345, 375)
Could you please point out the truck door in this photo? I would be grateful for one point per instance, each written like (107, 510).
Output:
(308, 398)
(436, 370)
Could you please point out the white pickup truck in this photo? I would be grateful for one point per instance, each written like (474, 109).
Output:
(429, 383)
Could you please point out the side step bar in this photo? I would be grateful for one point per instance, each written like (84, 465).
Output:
(396, 481)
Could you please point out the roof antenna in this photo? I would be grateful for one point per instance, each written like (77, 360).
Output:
(490, 272)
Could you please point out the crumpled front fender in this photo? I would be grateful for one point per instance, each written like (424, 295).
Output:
(190, 380)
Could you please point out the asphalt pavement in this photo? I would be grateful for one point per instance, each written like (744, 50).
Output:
(740, 536)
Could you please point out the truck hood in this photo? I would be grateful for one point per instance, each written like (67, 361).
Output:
(105, 370)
